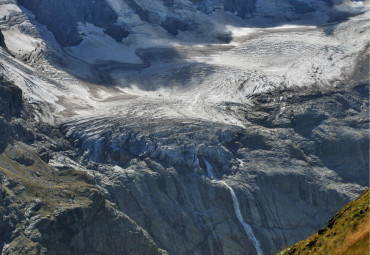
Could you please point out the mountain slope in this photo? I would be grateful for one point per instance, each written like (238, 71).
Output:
(347, 233)
(211, 127)
(45, 211)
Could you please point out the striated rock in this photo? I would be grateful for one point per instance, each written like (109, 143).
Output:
(2, 42)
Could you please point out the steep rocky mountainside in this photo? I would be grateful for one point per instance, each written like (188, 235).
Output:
(63, 211)
(62, 17)
(346, 233)
(44, 211)
(179, 127)
(286, 169)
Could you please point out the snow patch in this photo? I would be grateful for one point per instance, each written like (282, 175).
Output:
(98, 46)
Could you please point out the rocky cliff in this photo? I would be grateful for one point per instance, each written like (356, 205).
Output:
(179, 127)
(62, 18)
(160, 193)
(277, 166)
(44, 211)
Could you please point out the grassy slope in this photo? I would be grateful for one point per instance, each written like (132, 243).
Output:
(31, 191)
(347, 233)
(64, 189)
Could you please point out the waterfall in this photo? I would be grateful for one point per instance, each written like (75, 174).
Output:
(247, 228)
(211, 174)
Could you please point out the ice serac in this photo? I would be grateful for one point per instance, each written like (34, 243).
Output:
(152, 107)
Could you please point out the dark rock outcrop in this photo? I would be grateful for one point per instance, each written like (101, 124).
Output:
(242, 8)
(61, 213)
(173, 25)
(10, 99)
(10, 107)
(294, 142)
(44, 211)
(61, 18)
(2, 41)
(116, 32)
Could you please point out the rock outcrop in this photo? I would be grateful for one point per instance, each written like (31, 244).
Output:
(193, 148)
(294, 143)
(10, 99)
(44, 211)
(10, 107)
(61, 18)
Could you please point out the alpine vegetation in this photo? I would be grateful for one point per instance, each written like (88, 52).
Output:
(181, 126)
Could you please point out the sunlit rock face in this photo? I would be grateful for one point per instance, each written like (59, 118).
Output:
(195, 127)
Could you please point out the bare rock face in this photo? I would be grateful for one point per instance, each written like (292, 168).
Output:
(2, 43)
(44, 211)
(86, 224)
(159, 161)
(61, 17)
(240, 7)
(10, 99)
(10, 107)
(294, 143)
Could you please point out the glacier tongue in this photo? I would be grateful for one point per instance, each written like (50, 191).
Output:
(247, 228)
(279, 109)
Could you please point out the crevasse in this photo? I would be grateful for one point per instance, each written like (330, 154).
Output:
(247, 228)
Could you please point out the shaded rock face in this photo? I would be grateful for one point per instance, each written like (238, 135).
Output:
(2, 42)
(61, 18)
(248, 8)
(294, 143)
(44, 211)
(10, 107)
(173, 25)
(10, 99)
(86, 224)
(116, 32)
(335, 123)
(242, 8)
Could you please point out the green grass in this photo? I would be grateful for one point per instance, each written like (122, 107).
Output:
(55, 189)
(347, 233)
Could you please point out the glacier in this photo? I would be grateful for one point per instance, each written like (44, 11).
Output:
(173, 106)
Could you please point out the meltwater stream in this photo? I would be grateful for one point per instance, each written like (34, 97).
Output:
(247, 228)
